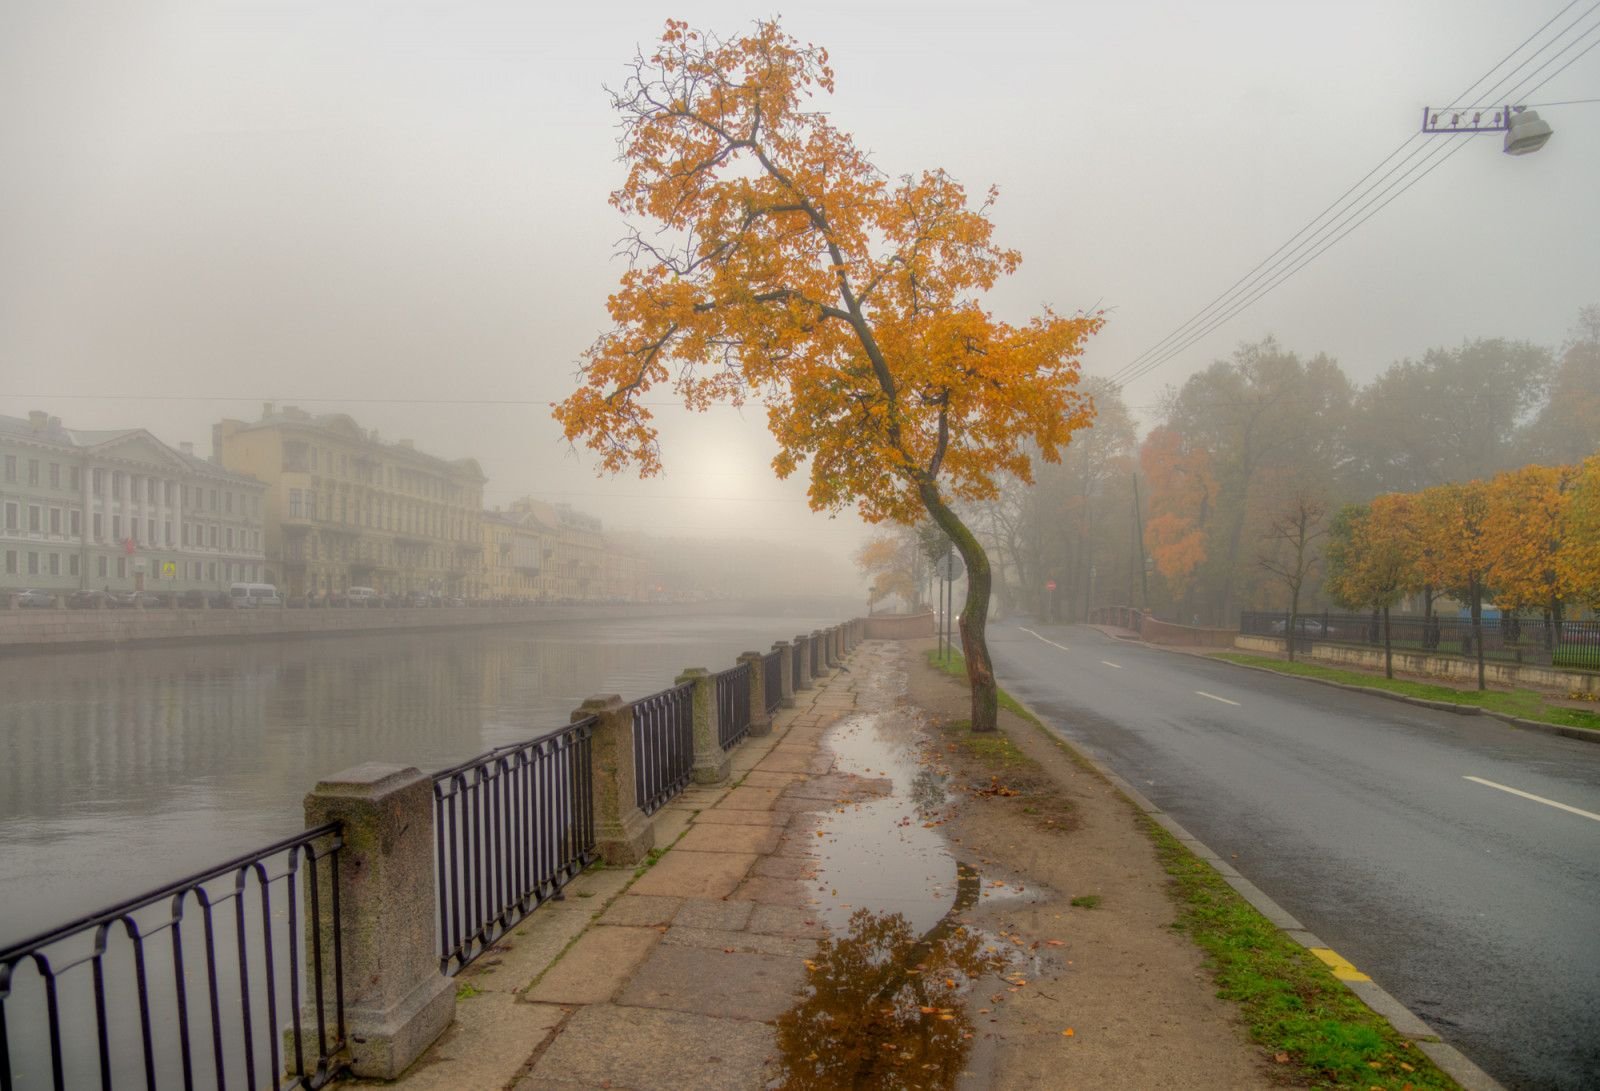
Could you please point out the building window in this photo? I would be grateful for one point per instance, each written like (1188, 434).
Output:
(227, 502)
(172, 492)
(101, 565)
(72, 565)
(35, 518)
(55, 475)
(122, 568)
(150, 525)
(11, 562)
(99, 528)
(294, 503)
(116, 528)
(211, 571)
(167, 526)
(212, 535)
(11, 467)
(33, 563)
(97, 484)
(55, 521)
(230, 537)
(116, 484)
(33, 471)
(55, 563)
(150, 489)
(12, 513)
(75, 523)
(213, 499)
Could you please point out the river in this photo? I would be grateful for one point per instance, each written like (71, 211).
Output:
(122, 769)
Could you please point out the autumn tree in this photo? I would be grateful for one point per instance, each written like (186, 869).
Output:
(1578, 562)
(775, 261)
(894, 563)
(1453, 547)
(1567, 427)
(1182, 498)
(1290, 549)
(1526, 526)
(1372, 559)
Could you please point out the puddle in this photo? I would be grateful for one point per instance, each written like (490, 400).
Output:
(887, 1000)
(886, 1008)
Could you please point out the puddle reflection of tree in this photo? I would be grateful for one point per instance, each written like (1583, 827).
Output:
(885, 1009)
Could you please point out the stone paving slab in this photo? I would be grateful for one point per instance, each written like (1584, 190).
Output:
(714, 913)
(616, 1047)
(785, 761)
(713, 982)
(494, 1034)
(762, 778)
(720, 817)
(767, 891)
(595, 967)
(751, 799)
(757, 839)
(729, 942)
(683, 874)
(786, 920)
(642, 911)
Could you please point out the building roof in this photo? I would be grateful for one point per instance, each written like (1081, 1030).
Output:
(344, 426)
(49, 430)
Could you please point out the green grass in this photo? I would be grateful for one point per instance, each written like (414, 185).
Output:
(954, 664)
(1087, 901)
(1292, 1003)
(1524, 703)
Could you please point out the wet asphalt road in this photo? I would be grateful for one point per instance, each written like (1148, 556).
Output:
(1478, 909)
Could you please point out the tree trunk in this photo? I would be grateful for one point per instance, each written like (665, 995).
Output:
(1477, 630)
(974, 613)
(1388, 651)
(1294, 620)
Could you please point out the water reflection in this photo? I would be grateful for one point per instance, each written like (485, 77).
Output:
(885, 1007)
(122, 768)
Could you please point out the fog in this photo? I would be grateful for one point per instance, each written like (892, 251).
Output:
(398, 211)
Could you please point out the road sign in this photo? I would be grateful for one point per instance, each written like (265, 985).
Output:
(949, 567)
(169, 571)
(1050, 585)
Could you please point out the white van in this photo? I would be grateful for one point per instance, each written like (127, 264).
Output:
(250, 596)
(361, 596)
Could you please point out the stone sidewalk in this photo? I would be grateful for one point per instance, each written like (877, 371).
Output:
(665, 976)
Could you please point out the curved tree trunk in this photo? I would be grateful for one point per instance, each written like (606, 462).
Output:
(974, 613)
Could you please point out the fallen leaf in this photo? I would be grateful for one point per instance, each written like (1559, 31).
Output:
(1067, 1033)
(1281, 1058)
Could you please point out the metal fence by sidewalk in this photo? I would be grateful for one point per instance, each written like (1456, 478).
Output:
(1534, 641)
(512, 827)
(188, 985)
(772, 680)
(733, 705)
(663, 745)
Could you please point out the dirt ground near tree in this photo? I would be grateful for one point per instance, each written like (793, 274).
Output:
(1113, 996)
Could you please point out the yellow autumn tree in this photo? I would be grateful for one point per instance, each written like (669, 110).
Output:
(1525, 528)
(771, 259)
(1182, 492)
(1578, 562)
(1453, 547)
(891, 561)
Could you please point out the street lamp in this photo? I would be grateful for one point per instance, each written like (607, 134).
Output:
(1525, 130)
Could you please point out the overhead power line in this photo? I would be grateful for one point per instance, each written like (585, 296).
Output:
(1348, 211)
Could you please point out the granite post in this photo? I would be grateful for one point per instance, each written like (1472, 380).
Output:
(711, 762)
(819, 662)
(396, 1002)
(623, 835)
(803, 673)
(760, 722)
(785, 652)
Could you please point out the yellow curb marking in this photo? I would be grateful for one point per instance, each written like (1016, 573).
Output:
(1341, 969)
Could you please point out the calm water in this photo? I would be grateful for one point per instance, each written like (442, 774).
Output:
(120, 770)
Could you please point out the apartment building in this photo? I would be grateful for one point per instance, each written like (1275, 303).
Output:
(120, 509)
(345, 508)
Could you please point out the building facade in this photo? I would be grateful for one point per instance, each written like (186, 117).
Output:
(514, 545)
(346, 509)
(120, 510)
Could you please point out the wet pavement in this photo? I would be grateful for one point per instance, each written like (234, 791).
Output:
(805, 930)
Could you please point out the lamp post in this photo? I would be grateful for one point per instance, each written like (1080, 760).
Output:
(1525, 130)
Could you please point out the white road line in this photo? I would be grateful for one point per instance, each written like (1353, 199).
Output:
(1108, 663)
(1214, 697)
(1536, 799)
(1052, 643)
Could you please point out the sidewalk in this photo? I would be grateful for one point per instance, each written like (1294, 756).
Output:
(857, 907)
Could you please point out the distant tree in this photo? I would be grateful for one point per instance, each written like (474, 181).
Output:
(1454, 550)
(890, 562)
(1567, 429)
(1182, 494)
(1290, 549)
(785, 266)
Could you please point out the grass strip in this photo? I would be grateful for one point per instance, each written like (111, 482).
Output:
(1295, 1008)
(1526, 704)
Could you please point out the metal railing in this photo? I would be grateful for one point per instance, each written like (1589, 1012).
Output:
(511, 828)
(1534, 641)
(663, 745)
(196, 1006)
(818, 668)
(772, 680)
(797, 655)
(733, 706)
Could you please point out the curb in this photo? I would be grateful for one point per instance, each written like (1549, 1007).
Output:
(1578, 733)
(1450, 1060)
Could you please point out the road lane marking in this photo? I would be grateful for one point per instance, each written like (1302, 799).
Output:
(1052, 643)
(1536, 799)
(1214, 697)
(1339, 964)
(1108, 663)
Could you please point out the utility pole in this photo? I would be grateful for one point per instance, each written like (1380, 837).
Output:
(1138, 525)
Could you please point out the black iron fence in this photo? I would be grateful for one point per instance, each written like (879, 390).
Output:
(733, 706)
(663, 745)
(186, 985)
(512, 827)
(1536, 641)
(818, 666)
(772, 680)
(797, 654)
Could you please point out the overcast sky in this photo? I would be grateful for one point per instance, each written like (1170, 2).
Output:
(398, 210)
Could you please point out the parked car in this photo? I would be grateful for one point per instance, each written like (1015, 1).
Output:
(87, 599)
(1305, 626)
(127, 600)
(35, 598)
(419, 598)
(361, 596)
(254, 595)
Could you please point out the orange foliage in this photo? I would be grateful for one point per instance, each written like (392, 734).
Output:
(786, 267)
(1181, 493)
(1578, 563)
(1527, 510)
